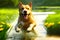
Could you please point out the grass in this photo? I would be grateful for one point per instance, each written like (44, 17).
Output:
(53, 18)
(52, 24)
(47, 8)
(7, 16)
(3, 29)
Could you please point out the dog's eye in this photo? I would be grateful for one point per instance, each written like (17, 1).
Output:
(22, 8)
(27, 8)
(28, 14)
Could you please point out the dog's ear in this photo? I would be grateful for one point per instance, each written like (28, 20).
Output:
(30, 4)
(20, 4)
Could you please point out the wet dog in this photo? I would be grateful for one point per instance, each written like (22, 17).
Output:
(26, 22)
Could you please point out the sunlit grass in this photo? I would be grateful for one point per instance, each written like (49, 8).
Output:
(52, 23)
(3, 29)
(7, 14)
(8, 11)
(53, 18)
(48, 9)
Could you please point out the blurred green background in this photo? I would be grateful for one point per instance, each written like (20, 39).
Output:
(13, 3)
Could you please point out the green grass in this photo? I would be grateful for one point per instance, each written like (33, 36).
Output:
(3, 29)
(7, 14)
(47, 9)
(52, 23)
(53, 18)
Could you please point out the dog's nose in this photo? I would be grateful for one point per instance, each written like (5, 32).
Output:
(25, 12)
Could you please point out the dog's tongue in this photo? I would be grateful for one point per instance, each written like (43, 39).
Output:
(25, 17)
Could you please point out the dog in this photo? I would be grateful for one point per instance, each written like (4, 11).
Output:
(26, 22)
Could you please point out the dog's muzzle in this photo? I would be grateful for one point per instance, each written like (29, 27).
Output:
(25, 13)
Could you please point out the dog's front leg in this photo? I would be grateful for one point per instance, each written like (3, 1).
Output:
(30, 27)
(17, 29)
(19, 26)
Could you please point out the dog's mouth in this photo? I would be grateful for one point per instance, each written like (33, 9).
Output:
(25, 16)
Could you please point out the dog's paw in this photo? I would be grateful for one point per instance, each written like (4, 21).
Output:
(29, 29)
(17, 29)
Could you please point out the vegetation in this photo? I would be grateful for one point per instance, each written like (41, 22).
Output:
(47, 9)
(6, 17)
(43, 2)
(52, 24)
(8, 3)
(14, 3)
(3, 29)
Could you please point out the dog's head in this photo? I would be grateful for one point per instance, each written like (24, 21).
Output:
(25, 10)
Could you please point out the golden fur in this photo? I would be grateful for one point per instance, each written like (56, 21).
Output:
(30, 18)
(26, 20)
